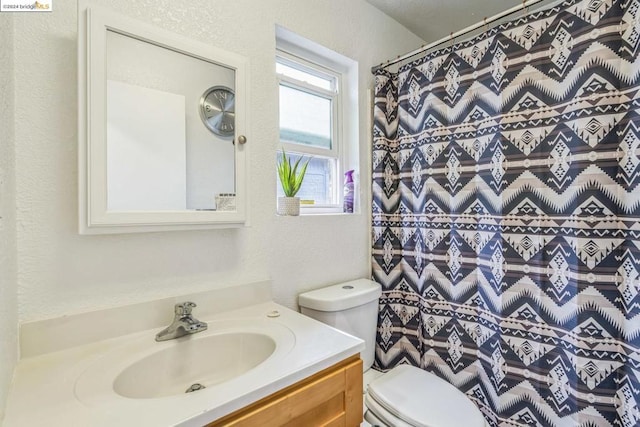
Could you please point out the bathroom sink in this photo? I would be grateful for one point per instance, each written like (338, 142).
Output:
(245, 355)
(193, 365)
(230, 354)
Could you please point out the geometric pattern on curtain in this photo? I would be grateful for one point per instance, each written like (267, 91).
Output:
(506, 216)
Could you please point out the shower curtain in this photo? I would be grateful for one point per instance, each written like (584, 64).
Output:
(506, 216)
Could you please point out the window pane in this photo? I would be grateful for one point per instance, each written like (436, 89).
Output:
(303, 76)
(305, 118)
(319, 181)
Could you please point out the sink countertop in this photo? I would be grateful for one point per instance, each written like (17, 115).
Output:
(44, 390)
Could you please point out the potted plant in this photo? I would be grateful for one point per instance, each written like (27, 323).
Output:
(291, 177)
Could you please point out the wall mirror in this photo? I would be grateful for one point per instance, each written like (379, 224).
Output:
(163, 139)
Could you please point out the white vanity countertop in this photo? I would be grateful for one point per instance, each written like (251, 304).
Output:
(46, 390)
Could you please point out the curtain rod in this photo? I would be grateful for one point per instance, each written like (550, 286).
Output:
(525, 4)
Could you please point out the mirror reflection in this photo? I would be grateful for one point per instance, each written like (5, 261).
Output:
(161, 155)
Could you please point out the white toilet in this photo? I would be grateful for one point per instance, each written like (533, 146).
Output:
(406, 396)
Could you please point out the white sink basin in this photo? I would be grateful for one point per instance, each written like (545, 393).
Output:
(228, 352)
(194, 364)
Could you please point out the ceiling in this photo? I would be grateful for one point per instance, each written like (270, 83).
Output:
(434, 19)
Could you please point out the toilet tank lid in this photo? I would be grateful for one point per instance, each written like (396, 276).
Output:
(341, 296)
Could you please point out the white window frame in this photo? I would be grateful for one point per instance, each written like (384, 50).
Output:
(332, 95)
(295, 51)
(337, 119)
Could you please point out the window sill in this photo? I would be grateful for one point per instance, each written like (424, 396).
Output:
(329, 213)
(323, 212)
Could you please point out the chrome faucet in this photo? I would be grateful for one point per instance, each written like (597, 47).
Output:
(183, 323)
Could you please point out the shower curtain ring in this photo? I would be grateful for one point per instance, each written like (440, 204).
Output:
(486, 27)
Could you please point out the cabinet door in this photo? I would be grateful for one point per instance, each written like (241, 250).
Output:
(330, 398)
(147, 160)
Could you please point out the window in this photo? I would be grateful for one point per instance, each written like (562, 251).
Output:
(309, 126)
(319, 118)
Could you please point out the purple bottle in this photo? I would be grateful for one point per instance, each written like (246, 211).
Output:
(348, 192)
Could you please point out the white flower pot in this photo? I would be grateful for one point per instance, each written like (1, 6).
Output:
(289, 206)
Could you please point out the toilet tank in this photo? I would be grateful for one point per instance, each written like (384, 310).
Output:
(351, 307)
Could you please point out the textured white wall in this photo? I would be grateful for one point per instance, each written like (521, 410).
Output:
(8, 253)
(63, 272)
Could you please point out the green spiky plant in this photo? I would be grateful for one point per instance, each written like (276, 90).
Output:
(290, 177)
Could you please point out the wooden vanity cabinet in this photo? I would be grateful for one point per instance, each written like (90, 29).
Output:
(331, 398)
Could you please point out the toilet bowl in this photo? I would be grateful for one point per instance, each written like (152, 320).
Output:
(406, 396)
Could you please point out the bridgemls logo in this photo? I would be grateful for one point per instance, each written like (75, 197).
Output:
(26, 6)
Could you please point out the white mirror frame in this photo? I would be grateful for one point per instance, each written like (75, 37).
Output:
(94, 217)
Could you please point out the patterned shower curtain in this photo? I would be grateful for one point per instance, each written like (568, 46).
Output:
(506, 216)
